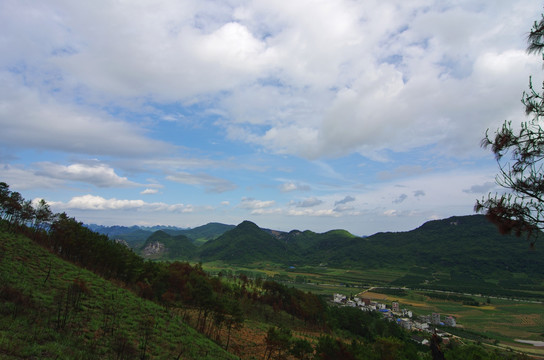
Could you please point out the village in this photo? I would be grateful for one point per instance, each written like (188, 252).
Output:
(403, 317)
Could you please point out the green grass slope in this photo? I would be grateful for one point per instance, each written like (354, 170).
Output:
(52, 309)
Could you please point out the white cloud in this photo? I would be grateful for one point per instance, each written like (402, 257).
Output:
(93, 202)
(267, 211)
(149, 191)
(418, 193)
(253, 204)
(286, 187)
(171, 51)
(291, 186)
(375, 105)
(32, 119)
(345, 200)
(292, 77)
(484, 188)
(309, 202)
(21, 178)
(312, 212)
(97, 174)
(390, 212)
(343, 208)
(210, 183)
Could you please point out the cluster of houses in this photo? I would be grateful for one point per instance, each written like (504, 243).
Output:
(403, 317)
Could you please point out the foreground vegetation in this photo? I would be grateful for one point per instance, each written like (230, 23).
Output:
(52, 309)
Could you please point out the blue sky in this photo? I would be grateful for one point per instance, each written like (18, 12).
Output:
(361, 115)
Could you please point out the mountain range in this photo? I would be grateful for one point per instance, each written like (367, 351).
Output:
(461, 253)
(463, 249)
(136, 236)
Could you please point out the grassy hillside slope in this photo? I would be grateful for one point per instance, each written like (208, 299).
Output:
(52, 309)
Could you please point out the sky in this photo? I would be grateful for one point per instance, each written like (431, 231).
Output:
(319, 115)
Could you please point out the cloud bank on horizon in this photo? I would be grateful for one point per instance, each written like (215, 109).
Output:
(365, 116)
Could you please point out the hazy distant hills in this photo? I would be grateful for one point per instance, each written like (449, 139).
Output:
(204, 233)
(136, 236)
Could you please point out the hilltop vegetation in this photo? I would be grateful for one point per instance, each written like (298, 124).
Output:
(244, 244)
(165, 246)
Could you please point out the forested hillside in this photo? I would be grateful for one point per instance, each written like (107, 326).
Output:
(463, 253)
(244, 244)
(161, 245)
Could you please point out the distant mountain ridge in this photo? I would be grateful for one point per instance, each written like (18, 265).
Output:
(119, 229)
(453, 242)
(136, 236)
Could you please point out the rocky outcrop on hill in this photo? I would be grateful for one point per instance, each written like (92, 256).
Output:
(122, 242)
(153, 249)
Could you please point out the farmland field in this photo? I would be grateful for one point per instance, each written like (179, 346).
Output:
(497, 321)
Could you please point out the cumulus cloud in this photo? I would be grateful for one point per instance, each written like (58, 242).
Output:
(19, 177)
(210, 183)
(291, 186)
(343, 208)
(267, 211)
(400, 199)
(312, 212)
(419, 193)
(93, 202)
(97, 174)
(309, 202)
(149, 191)
(30, 119)
(482, 188)
(390, 212)
(321, 81)
(387, 104)
(345, 200)
(253, 204)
